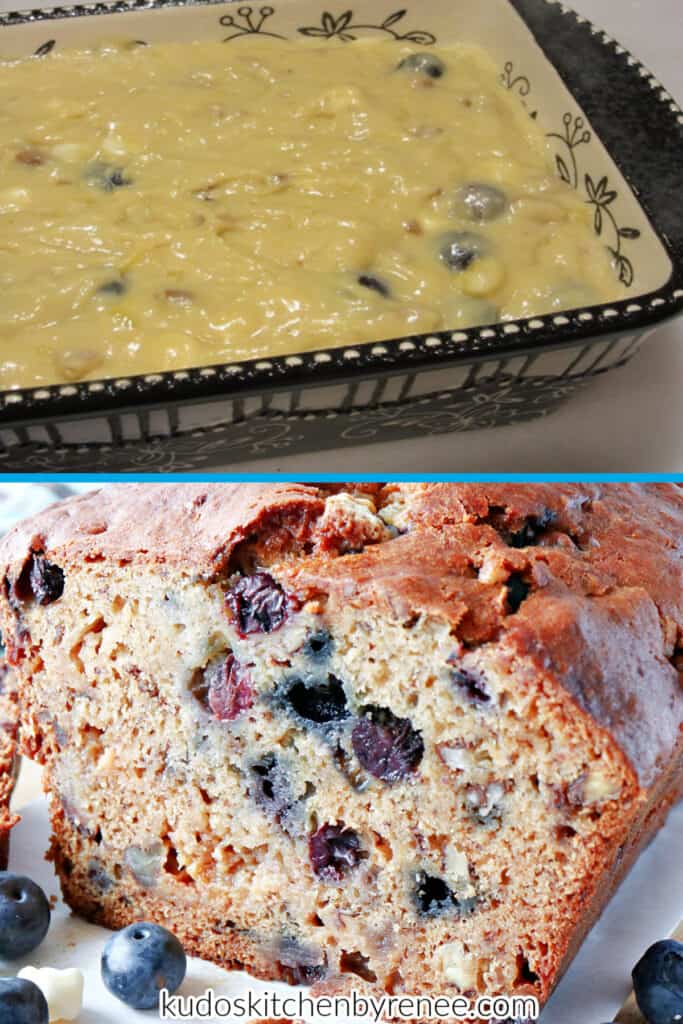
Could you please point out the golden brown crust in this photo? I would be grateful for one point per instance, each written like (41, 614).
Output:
(651, 819)
(608, 573)
(606, 608)
(181, 524)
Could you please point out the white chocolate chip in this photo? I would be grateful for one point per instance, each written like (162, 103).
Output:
(458, 874)
(337, 100)
(485, 799)
(395, 513)
(14, 199)
(69, 152)
(341, 509)
(493, 569)
(457, 967)
(598, 788)
(484, 277)
(63, 990)
(458, 759)
(113, 145)
(76, 363)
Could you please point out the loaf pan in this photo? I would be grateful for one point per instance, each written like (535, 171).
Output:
(617, 138)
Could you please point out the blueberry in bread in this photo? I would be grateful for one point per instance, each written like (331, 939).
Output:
(406, 738)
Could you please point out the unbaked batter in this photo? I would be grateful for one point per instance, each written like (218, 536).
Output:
(178, 205)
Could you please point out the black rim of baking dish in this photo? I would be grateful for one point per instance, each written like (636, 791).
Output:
(634, 116)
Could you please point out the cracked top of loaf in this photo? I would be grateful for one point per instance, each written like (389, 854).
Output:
(594, 572)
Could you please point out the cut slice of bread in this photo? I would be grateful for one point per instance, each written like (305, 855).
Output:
(404, 737)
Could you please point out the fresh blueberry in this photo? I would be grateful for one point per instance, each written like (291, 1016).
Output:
(317, 702)
(423, 64)
(334, 851)
(24, 915)
(459, 249)
(106, 177)
(658, 983)
(375, 284)
(258, 604)
(481, 202)
(318, 647)
(228, 688)
(517, 592)
(39, 580)
(114, 287)
(387, 746)
(117, 178)
(471, 686)
(433, 897)
(22, 1002)
(139, 961)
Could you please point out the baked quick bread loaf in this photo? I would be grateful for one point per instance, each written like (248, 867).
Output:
(409, 736)
(8, 760)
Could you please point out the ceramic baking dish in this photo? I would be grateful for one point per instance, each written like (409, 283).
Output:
(617, 136)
